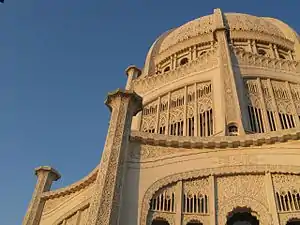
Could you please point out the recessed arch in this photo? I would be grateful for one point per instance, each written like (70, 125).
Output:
(224, 209)
(262, 52)
(294, 221)
(242, 216)
(159, 221)
(194, 222)
(184, 61)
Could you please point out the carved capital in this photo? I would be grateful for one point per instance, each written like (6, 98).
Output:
(53, 174)
(46, 175)
(116, 97)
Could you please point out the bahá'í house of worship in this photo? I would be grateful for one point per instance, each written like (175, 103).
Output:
(206, 133)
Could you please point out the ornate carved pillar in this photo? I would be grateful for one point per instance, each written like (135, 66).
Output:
(107, 199)
(295, 114)
(178, 217)
(254, 48)
(265, 115)
(271, 198)
(277, 120)
(212, 200)
(132, 73)
(232, 103)
(168, 114)
(196, 112)
(157, 116)
(185, 112)
(46, 175)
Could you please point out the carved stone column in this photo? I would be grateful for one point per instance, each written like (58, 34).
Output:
(132, 73)
(212, 200)
(232, 103)
(271, 198)
(107, 198)
(45, 176)
(178, 217)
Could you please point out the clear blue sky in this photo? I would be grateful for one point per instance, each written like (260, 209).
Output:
(58, 60)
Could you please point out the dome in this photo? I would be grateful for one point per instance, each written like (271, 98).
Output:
(201, 30)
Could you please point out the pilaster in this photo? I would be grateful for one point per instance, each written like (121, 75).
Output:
(107, 199)
(178, 217)
(45, 177)
(212, 200)
(271, 198)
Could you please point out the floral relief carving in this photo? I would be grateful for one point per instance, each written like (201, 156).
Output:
(147, 152)
(169, 217)
(199, 218)
(285, 217)
(261, 210)
(195, 186)
(284, 182)
(254, 200)
(232, 186)
(105, 203)
(237, 159)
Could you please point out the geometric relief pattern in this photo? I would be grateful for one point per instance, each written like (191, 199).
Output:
(238, 191)
(281, 99)
(172, 109)
(235, 187)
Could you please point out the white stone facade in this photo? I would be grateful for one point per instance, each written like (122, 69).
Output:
(207, 133)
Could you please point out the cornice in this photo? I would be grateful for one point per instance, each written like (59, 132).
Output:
(75, 187)
(217, 141)
(254, 61)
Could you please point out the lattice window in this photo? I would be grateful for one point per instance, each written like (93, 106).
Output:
(256, 120)
(193, 203)
(205, 123)
(271, 120)
(254, 107)
(288, 201)
(163, 201)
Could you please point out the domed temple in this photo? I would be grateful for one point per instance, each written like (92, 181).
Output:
(207, 133)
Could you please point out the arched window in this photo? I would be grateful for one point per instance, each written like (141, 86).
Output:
(262, 52)
(167, 69)
(203, 52)
(233, 130)
(160, 221)
(194, 222)
(281, 56)
(184, 61)
(242, 218)
(293, 222)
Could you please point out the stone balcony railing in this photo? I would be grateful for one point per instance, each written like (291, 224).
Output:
(203, 63)
(251, 60)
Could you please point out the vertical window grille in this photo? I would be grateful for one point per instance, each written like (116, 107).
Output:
(205, 123)
(288, 201)
(195, 204)
(176, 128)
(271, 120)
(163, 202)
(256, 121)
(162, 129)
(190, 126)
(286, 120)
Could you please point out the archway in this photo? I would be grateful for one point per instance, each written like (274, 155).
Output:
(194, 222)
(160, 221)
(241, 216)
(293, 222)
